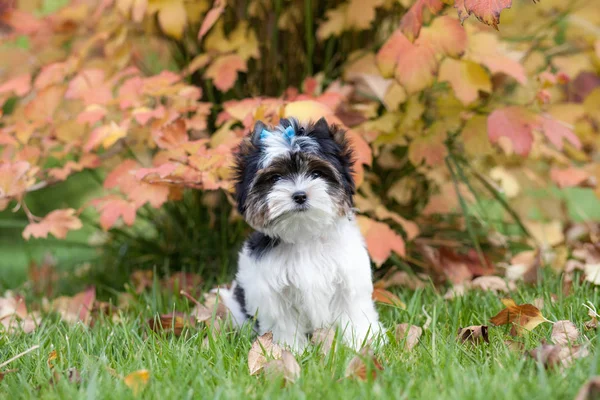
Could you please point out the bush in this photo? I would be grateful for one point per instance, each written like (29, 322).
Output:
(451, 120)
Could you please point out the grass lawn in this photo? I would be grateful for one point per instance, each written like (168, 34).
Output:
(183, 368)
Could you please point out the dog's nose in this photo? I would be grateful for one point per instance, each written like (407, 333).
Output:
(299, 197)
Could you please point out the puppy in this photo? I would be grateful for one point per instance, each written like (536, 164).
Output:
(306, 266)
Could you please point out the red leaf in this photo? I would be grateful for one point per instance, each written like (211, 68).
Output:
(556, 131)
(487, 11)
(411, 22)
(446, 36)
(58, 223)
(515, 124)
(19, 85)
(380, 239)
(171, 135)
(224, 70)
(211, 17)
(112, 208)
(413, 65)
(43, 106)
(568, 177)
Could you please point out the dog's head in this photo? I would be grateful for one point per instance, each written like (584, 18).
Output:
(293, 181)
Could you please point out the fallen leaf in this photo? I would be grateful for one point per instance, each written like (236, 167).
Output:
(591, 389)
(286, 366)
(556, 356)
(564, 333)
(51, 357)
(381, 295)
(523, 317)
(473, 334)
(262, 348)
(401, 279)
(494, 284)
(174, 322)
(517, 347)
(77, 308)
(357, 368)
(142, 280)
(408, 334)
(137, 381)
(324, 338)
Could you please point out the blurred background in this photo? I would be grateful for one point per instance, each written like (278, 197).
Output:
(476, 130)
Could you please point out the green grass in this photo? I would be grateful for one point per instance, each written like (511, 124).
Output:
(182, 368)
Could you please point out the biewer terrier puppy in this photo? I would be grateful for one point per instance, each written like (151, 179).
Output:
(306, 266)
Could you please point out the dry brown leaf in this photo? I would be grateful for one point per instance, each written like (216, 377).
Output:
(286, 366)
(76, 308)
(564, 333)
(590, 390)
(552, 356)
(512, 345)
(174, 322)
(401, 279)
(523, 317)
(357, 368)
(142, 280)
(410, 333)
(262, 348)
(189, 282)
(491, 283)
(43, 276)
(386, 297)
(323, 338)
(137, 380)
(593, 323)
(473, 334)
(14, 315)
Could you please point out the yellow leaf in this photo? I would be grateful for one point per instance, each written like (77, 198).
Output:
(508, 182)
(113, 133)
(172, 18)
(466, 78)
(137, 380)
(306, 110)
(550, 233)
(394, 96)
(474, 136)
(335, 23)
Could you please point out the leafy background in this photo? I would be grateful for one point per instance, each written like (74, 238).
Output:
(119, 120)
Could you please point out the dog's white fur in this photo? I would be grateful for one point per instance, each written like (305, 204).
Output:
(297, 288)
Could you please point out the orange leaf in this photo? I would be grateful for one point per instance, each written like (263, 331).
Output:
(429, 147)
(411, 22)
(42, 107)
(357, 367)
(380, 239)
(19, 85)
(487, 11)
(211, 17)
(413, 65)
(381, 295)
(446, 36)
(224, 70)
(513, 123)
(171, 135)
(137, 380)
(568, 177)
(111, 208)
(58, 223)
(76, 308)
(524, 316)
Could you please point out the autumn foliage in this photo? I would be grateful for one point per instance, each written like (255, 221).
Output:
(438, 104)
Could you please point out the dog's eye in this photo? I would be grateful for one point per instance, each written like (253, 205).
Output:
(275, 178)
(316, 174)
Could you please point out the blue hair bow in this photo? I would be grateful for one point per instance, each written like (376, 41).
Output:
(288, 134)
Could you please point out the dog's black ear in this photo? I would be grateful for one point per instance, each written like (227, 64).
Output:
(320, 129)
(258, 128)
